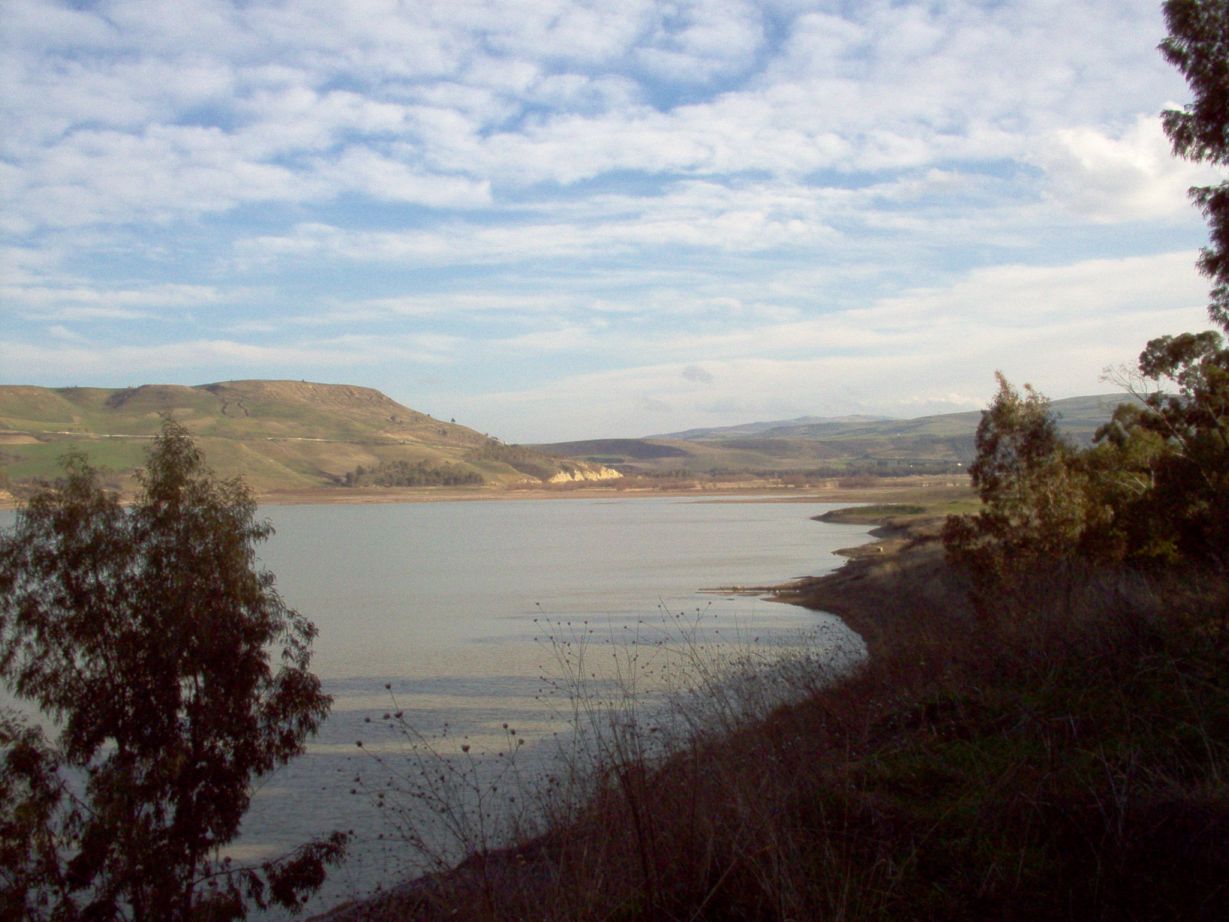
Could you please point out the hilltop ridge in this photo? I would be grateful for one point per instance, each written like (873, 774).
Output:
(304, 437)
(278, 435)
(814, 446)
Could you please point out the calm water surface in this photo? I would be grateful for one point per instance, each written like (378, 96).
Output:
(448, 604)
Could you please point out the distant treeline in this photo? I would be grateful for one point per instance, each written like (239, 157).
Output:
(523, 459)
(407, 474)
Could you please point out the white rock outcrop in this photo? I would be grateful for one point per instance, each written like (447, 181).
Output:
(576, 471)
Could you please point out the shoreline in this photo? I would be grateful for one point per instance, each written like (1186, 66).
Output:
(881, 581)
(889, 490)
(885, 490)
(855, 592)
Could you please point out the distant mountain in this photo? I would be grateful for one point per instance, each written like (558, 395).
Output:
(762, 428)
(278, 435)
(1078, 417)
(824, 445)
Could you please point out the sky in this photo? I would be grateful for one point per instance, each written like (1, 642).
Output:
(553, 219)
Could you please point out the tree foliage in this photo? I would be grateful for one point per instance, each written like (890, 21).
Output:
(1035, 506)
(1155, 487)
(1198, 45)
(412, 474)
(1022, 473)
(145, 635)
(1152, 489)
(1191, 417)
(1192, 485)
(525, 460)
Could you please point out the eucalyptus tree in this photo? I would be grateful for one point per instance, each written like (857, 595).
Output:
(174, 675)
(1198, 45)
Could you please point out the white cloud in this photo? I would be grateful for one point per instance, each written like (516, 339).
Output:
(390, 179)
(557, 339)
(456, 304)
(593, 33)
(54, 27)
(1130, 177)
(703, 40)
(877, 195)
(199, 358)
(1036, 296)
(927, 351)
(167, 172)
(59, 331)
(704, 216)
(270, 93)
(77, 302)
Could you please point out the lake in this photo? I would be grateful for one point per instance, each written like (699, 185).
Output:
(451, 606)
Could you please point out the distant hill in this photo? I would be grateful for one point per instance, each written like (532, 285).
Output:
(754, 429)
(279, 435)
(823, 445)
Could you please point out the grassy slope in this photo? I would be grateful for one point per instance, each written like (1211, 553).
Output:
(1058, 762)
(279, 435)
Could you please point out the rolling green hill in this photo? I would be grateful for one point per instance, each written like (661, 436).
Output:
(817, 445)
(279, 435)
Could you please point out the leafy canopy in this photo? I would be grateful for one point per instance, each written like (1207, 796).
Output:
(1155, 488)
(1198, 45)
(1034, 497)
(146, 635)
